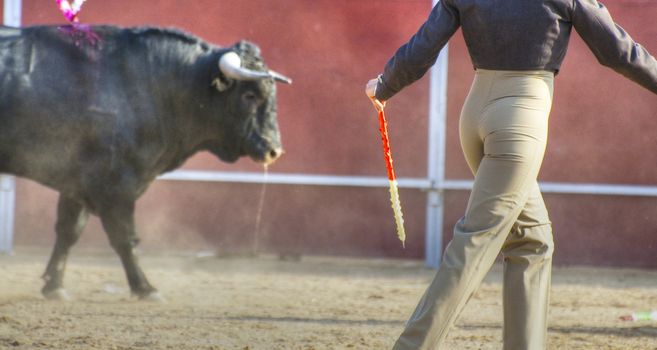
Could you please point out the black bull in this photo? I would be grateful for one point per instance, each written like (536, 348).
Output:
(98, 115)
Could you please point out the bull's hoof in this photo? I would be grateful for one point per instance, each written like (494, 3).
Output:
(152, 297)
(59, 294)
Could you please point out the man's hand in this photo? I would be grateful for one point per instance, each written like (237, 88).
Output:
(370, 91)
(370, 88)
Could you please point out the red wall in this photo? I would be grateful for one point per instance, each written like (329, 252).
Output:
(601, 126)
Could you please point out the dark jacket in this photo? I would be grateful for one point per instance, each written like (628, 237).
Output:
(518, 35)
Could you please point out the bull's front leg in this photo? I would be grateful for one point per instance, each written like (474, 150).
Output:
(118, 221)
(71, 218)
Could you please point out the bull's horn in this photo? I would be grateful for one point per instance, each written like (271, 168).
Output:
(231, 65)
(280, 77)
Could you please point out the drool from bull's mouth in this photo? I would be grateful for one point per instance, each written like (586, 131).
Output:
(261, 204)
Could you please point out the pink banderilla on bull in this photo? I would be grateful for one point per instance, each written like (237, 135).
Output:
(78, 31)
(70, 10)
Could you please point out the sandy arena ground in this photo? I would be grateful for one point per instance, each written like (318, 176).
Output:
(314, 303)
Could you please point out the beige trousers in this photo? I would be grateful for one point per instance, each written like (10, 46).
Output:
(503, 129)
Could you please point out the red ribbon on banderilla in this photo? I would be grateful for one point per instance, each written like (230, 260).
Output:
(387, 155)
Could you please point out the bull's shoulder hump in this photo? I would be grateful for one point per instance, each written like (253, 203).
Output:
(171, 34)
(109, 33)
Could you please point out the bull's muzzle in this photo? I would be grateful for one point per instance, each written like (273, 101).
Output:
(272, 155)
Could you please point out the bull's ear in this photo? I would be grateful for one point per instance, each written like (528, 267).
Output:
(222, 83)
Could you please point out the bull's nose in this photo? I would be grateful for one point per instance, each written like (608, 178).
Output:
(273, 154)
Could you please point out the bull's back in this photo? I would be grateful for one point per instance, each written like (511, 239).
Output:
(70, 106)
(61, 101)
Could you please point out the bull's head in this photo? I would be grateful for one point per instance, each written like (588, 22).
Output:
(250, 91)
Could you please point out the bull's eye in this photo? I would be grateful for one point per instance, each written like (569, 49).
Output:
(250, 97)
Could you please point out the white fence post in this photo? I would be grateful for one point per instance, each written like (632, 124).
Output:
(436, 160)
(12, 13)
(7, 200)
(12, 18)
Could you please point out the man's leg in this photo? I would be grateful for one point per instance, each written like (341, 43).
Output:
(527, 271)
(504, 180)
